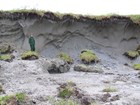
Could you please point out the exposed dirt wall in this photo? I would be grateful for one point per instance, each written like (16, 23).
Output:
(112, 35)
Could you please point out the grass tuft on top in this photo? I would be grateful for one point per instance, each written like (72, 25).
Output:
(29, 55)
(87, 56)
(132, 54)
(39, 12)
(66, 57)
(6, 57)
(134, 18)
(136, 66)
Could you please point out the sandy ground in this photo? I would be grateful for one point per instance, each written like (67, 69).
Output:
(31, 78)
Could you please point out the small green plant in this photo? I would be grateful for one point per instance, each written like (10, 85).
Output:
(6, 57)
(20, 97)
(29, 54)
(14, 99)
(6, 99)
(66, 92)
(65, 102)
(66, 58)
(87, 56)
(110, 89)
(131, 54)
(136, 66)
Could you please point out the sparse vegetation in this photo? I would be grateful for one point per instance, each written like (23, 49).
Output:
(30, 55)
(110, 89)
(12, 99)
(5, 48)
(20, 97)
(87, 56)
(135, 18)
(39, 12)
(66, 58)
(132, 54)
(136, 66)
(65, 102)
(6, 57)
(66, 92)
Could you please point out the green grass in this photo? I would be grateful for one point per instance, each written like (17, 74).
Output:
(134, 18)
(66, 92)
(39, 12)
(136, 66)
(132, 54)
(87, 56)
(28, 54)
(6, 57)
(65, 102)
(66, 58)
(110, 89)
(5, 100)
(20, 97)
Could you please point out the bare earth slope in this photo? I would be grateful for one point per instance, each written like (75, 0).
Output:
(109, 38)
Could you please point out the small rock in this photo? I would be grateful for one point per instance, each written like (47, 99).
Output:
(114, 98)
(57, 66)
(105, 97)
(86, 101)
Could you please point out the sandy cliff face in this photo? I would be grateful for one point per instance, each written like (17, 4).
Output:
(109, 38)
(112, 35)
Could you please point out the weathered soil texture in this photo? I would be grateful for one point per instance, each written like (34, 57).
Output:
(108, 38)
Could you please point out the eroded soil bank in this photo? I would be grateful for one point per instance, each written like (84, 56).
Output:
(109, 38)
